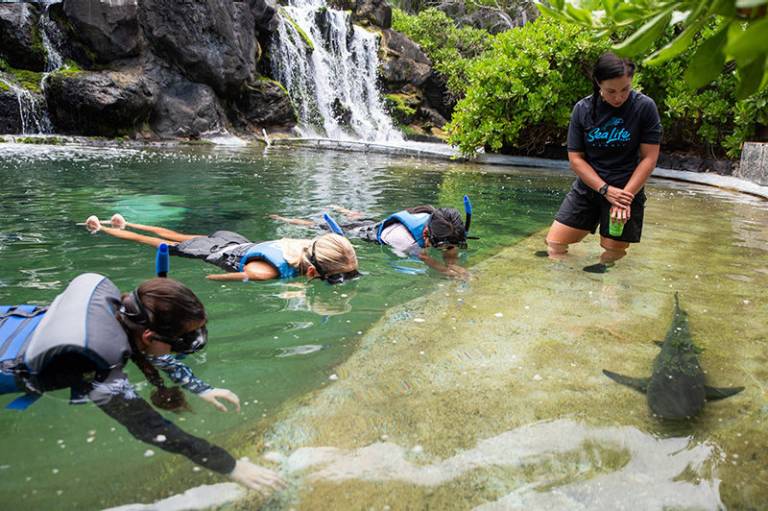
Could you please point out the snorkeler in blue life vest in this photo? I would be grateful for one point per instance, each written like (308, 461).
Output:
(408, 232)
(329, 257)
(85, 338)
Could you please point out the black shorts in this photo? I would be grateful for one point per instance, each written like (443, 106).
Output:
(203, 246)
(585, 209)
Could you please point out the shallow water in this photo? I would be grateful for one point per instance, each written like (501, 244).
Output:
(487, 394)
(271, 342)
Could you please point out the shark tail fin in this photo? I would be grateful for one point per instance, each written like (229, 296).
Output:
(639, 384)
(715, 393)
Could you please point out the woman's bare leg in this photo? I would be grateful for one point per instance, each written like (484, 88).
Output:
(352, 215)
(168, 234)
(132, 236)
(614, 250)
(560, 236)
(293, 221)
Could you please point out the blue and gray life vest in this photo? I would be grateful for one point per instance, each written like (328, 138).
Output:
(72, 342)
(235, 257)
(414, 222)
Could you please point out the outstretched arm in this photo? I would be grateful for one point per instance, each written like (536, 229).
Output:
(117, 398)
(449, 268)
(293, 221)
(255, 270)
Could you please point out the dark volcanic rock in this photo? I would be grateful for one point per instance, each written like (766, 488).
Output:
(265, 103)
(104, 103)
(490, 19)
(20, 43)
(10, 120)
(186, 110)
(373, 12)
(210, 41)
(264, 14)
(107, 30)
(437, 95)
(402, 61)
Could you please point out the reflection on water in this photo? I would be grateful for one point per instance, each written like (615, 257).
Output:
(660, 473)
(478, 394)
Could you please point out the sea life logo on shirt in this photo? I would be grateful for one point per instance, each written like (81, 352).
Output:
(609, 134)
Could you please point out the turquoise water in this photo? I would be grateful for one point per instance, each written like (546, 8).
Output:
(270, 342)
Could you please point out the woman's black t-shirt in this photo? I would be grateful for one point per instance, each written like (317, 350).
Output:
(611, 142)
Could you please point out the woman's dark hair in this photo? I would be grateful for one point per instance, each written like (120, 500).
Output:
(445, 225)
(171, 307)
(608, 65)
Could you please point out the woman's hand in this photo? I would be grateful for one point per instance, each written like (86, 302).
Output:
(620, 214)
(212, 396)
(261, 479)
(619, 197)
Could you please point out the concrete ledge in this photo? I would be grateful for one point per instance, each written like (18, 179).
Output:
(446, 152)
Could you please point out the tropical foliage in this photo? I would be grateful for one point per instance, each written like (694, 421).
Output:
(522, 90)
(741, 39)
(450, 48)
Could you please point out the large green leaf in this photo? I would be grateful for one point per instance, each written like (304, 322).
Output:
(747, 45)
(707, 62)
(677, 46)
(644, 37)
(750, 77)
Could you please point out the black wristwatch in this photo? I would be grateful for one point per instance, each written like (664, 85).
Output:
(603, 190)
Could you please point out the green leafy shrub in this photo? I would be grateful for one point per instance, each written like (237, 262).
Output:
(450, 48)
(521, 92)
(711, 117)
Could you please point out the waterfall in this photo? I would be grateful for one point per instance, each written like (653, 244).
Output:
(330, 69)
(32, 111)
(49, 30)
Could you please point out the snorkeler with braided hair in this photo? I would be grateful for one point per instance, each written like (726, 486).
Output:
(84, 339)
(408, 232)
(329, 257)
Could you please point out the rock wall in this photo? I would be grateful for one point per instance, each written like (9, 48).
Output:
(180, 68)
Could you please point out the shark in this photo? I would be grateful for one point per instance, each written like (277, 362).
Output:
(677, 388)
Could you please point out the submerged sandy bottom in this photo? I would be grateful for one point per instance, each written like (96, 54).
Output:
(489, 394)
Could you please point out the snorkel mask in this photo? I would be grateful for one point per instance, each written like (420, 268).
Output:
(185, 344)
(334, 278)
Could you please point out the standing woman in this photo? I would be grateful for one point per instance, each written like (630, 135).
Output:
(613, 145)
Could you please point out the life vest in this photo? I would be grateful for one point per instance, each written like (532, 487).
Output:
(72, 342)
(414, 222)
(270, 252)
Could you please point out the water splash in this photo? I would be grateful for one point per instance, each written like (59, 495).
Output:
(330, 69)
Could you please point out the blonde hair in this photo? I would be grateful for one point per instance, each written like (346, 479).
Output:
(333, 252)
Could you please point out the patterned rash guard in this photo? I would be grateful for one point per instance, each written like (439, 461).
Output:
(179, 373)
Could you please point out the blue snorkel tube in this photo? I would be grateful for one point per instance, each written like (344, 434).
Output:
(162, 261)
(332, 225)
(468, 212)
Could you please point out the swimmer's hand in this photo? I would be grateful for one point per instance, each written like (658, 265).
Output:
(457, 272)
(261, 479)
(118, 221)
(212, 396)
(93, 224)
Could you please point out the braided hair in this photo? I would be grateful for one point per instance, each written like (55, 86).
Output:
(170, 306)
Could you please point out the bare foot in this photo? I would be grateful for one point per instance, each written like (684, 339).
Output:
(118, 221)
(92, 224)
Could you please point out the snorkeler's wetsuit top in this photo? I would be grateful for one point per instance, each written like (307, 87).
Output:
(79, 343)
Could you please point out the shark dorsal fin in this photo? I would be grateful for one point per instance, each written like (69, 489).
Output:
(715, 393)
(639, 384)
